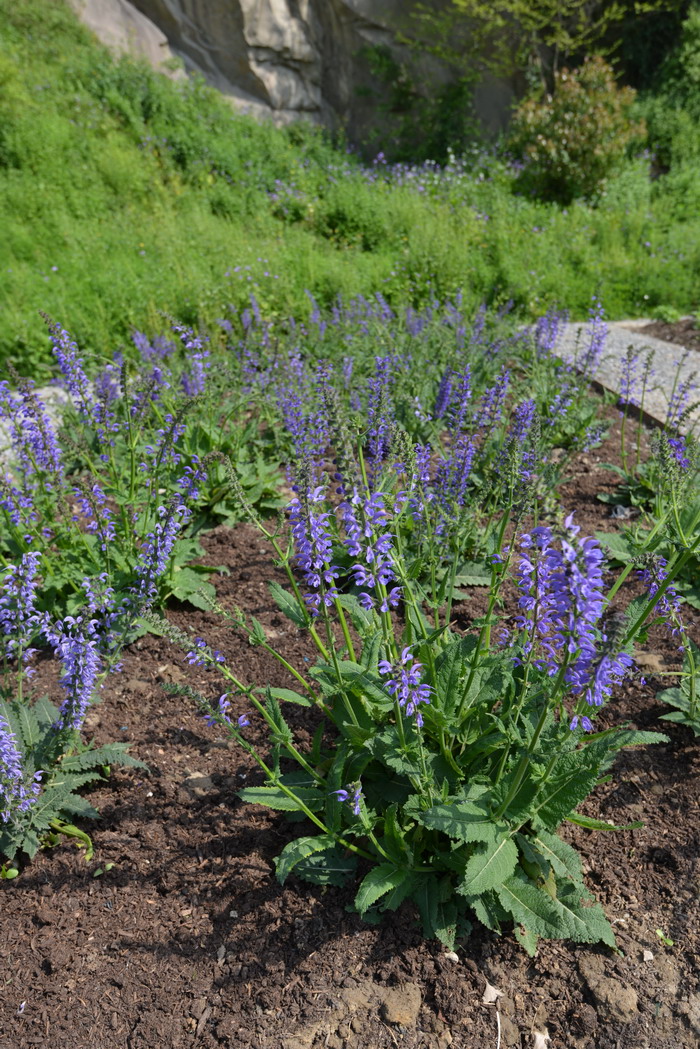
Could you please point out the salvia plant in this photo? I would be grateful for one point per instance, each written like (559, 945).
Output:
(444, 763)
(121, 461)
(43, 759)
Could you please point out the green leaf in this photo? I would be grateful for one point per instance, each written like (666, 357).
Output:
(465, 821)
(48, 806)
(24, 724)
(488, 867)
(107, 754)
(472, 573)
(488, 910)
(449, 667)
(288, 696)
(438, 910)
(589, 823)
(616, 546)
(534, 909)
(275, 798)
(288, 605)
(573, 781)
(332, 867)
(564, 860)
(380, 880)
(362, 619)
(74, 805)
(527, 939)
(279, 725)
(188, 585)
(564, 918)
(299, 850)
(394, 841)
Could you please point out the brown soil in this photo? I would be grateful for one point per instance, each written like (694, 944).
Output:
(188, 941)
(684, 332)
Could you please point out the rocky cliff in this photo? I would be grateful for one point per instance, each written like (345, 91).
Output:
(284, 58)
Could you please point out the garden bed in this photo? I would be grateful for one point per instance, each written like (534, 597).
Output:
(187, 939)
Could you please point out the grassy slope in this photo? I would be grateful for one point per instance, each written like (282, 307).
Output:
(124, 197)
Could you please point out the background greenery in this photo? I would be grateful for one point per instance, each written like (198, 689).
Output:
(126, 198)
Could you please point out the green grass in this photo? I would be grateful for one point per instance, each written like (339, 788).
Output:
(126, 198)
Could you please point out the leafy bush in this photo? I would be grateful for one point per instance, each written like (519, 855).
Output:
(444, 763)
(571, 141)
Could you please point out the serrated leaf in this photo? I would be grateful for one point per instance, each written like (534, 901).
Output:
(75, 805)
(107, 754)
(562, 918)
(299, 850)
(380, 880)
(288, 696)
(275, 798)
(25, 725)
(573, 781)
(489, 866)
(527, 939)
(394, 842)
(48, 806)
(488, 910)
(288, 605)
(564, 860)
(465, 821)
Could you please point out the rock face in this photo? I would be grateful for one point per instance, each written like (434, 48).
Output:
(282, 58)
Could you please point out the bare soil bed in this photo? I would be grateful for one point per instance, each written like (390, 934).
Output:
(188, 941)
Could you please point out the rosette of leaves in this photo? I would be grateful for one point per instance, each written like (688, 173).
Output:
(66, 765)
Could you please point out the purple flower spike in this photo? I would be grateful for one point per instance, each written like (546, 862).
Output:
(406, 684)
(314, 549)
(368, 540)
(561, 598)
(15, 793)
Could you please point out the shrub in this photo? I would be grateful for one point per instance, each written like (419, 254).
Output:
(571, 141)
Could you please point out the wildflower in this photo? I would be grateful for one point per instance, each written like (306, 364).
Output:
(221, 709)
(461, 401)
(352, 794)
(597, 332)
(561, 597)
(71, 365)
(15, 792)
(157, 549)
(452, 481)
(547, 331)
(443, 399)
(19, 619)
(194, 381)
(379, 413)
(314, 550)
(406, 685)
(368, 540)
(492, 403)
(629, 377)
(653, 575)
(76, 642)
